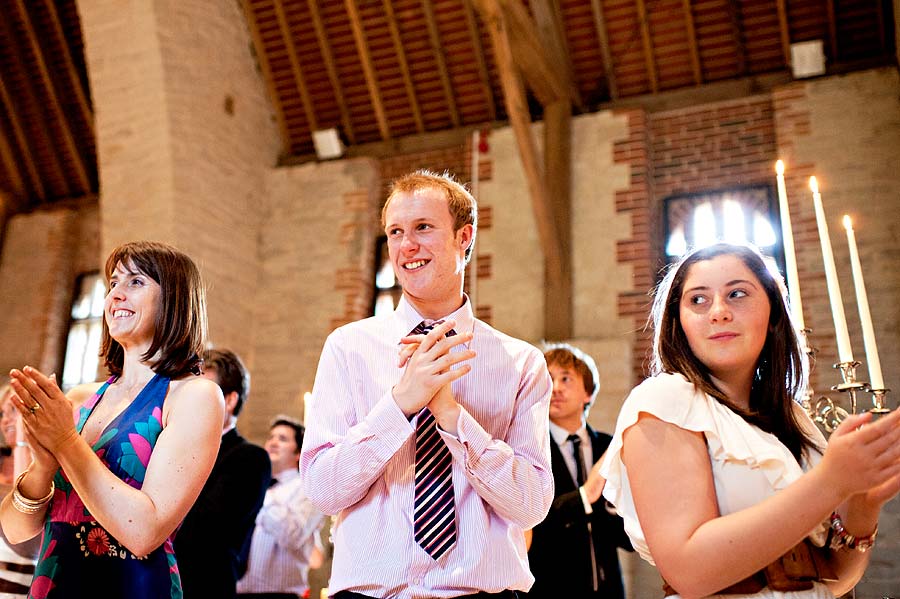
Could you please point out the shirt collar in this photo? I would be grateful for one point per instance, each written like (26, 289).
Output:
(286, 475)
(406, 317)
(561, 435)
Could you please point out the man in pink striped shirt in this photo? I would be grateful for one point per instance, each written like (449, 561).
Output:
(488, 394)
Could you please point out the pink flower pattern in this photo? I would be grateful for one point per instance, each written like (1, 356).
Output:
(71, 534)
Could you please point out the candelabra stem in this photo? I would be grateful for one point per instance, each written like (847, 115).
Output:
(849, 385)
(879, 409)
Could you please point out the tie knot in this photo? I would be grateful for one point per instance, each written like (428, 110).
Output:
(575, 439)
(425, 327)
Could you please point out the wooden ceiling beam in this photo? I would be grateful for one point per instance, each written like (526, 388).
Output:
(545, 76)
(297, 71)
(25, 149)
(882, 37)
(262, 57)
(84, 105)
(737, 33)
(552, 35)
(330, 66)
(784, 31)
(365, 57)
(692, 42)
(495, 18)
(832, 30)
(605, 53)
(74, 155)
(647, 41)
(558, 309)
(17, 184)
(483, 74)
(404, 65)
(437, 49)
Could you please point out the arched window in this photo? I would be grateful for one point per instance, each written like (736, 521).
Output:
(83, 345)
(737, 215)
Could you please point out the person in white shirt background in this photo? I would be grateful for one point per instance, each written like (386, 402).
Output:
(285, 542)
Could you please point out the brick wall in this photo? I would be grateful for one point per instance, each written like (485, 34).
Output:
(43, 252)
(184, 143)
(317, 249)
(636, 200)
(713, 146)
(702, 148)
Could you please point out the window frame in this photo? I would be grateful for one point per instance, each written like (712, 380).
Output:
(773, 214)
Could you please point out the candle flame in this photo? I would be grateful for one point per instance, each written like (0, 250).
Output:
(813, 185)
(848, 224)
(779, 167)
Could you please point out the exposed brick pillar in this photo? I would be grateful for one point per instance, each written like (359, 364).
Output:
(185, 137)
(638, 251)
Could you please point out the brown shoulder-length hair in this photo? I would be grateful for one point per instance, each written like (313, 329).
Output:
(781, 368)
(179, 333)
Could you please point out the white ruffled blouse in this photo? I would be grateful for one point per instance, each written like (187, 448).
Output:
(748, 464)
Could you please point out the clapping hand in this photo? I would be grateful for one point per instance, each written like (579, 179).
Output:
(46, 411)
(863, 457)
(429, 366)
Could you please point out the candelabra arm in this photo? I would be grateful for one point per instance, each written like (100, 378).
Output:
(849, 385)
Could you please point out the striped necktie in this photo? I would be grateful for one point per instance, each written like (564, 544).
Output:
(434, 524)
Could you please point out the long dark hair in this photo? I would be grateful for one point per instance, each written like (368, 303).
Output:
(180, 327)
(781, 369)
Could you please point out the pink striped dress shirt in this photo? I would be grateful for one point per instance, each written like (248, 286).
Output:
(358, 461)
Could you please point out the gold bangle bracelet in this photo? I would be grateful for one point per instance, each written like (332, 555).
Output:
(24, 508)
(27, 505)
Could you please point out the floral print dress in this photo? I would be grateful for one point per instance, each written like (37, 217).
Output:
(78, 557)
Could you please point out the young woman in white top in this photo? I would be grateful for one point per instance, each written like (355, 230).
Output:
(722, 479)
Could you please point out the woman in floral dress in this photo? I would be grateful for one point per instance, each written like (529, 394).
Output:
(109, 488)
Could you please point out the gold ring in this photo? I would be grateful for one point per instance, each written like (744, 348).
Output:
(35, 408)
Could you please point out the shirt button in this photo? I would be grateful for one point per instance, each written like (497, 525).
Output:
(417, 581)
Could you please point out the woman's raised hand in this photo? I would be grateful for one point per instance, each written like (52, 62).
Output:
(864, 457)
(46, 411)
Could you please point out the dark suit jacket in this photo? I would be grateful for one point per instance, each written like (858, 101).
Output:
(213, 542)
(560, 555)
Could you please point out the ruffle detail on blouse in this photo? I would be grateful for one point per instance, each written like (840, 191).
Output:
(729, 438)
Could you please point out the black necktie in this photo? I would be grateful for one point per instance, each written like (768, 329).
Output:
(580, 472)
(596, 573)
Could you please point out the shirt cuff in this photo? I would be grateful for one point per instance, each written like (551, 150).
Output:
(473, 440)
(588, 508)
(388, 424)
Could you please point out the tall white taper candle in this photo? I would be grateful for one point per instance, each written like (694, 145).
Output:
(845, 352)
(790, 257)
(876, 381)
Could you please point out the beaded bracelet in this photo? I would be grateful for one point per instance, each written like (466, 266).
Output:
(840, 538)
(26, 505)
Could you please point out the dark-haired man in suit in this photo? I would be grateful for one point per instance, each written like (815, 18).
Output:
(573, 551)
(213, 543)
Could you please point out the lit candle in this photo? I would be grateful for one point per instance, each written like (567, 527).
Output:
(845, 353)
(790, 258)
(307, 399)
(875, 379)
